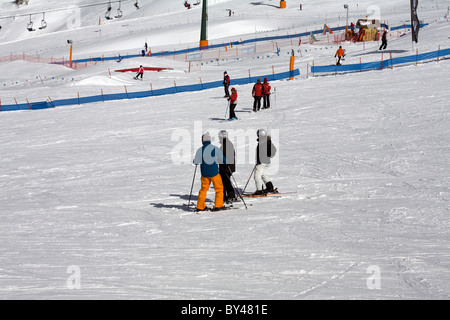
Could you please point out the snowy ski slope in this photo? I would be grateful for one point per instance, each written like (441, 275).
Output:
(92, 197)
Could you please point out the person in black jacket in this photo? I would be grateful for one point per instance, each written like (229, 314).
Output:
(383, 41)
(264, 152)
(228, 168)
(226, 84)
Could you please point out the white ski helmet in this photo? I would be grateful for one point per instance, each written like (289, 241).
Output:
(261, 133)
(223, 134)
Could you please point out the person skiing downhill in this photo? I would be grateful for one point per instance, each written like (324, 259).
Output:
(209, 157)
(266, 96)
(140, 73)
(340, 53)
(257, 93)
(233, 103)
(264, 152)
(226, 84)
(227, 168)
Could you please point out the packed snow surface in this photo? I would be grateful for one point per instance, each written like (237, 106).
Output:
(92, 201)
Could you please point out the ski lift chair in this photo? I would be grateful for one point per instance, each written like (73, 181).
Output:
(30, 26)
(43, 23)
(108, 12)
(119, 11)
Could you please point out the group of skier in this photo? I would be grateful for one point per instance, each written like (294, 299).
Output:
(260, 91)
(217, 165)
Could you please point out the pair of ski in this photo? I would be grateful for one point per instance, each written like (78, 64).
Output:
(267, 194)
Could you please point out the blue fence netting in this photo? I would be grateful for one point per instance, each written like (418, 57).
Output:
(232, 43)
(145, 94)
(375, 65)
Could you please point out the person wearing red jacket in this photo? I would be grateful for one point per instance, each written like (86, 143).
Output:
(233, 103)
(257, 93)
(266, 97)
(140, 73)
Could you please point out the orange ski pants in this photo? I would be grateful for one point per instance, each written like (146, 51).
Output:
(218, 188)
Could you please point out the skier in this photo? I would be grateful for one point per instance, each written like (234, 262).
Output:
(208, 157)
(257, 93)
(266, 97)
(226, 84)
(146, 46)
(264, 152)
(140, 73)
(227, 169)
(233, 103)
(340, 53)
(383, 41)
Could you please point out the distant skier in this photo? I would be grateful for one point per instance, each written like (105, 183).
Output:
(257, 93)
(226, 84)
(383, 41)
(266, 96)
(233, 103)
(146, 46)
(228, 168)
(340, 53)
(264, 152)
(140, 73)
(208, 157)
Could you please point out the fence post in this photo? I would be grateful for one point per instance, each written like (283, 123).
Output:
(78, 98)
(382, 56)
(126, 91)
(1, 109)
(102, 95)
(439, 52)
(392, 65)
(29, 105)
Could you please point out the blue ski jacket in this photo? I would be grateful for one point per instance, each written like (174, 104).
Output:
(209, 157)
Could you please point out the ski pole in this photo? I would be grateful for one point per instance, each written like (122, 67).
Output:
(192, 187)
(249, 179)
(235, 189)
(228, 106)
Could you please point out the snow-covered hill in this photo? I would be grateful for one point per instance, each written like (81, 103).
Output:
(92, 197)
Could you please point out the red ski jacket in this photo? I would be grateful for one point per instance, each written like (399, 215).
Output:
(267, 88)
(233, 97)
(258, 90)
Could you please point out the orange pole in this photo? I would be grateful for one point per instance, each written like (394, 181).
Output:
(291, 66)
(71, 52)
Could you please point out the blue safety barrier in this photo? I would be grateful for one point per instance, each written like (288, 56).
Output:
(145, 94)
(233, 43)
(381, 64)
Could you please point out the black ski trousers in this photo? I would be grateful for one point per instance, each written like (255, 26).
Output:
(232, 113)
(266, 101)
(225, 87)
(257, 104)
(228, 190)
